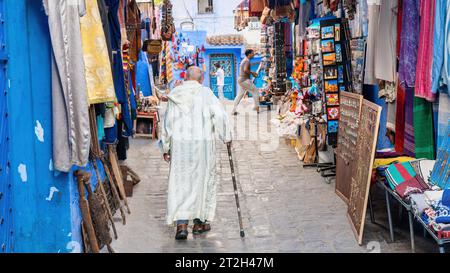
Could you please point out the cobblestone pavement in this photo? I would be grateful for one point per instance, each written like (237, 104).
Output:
(285, 207)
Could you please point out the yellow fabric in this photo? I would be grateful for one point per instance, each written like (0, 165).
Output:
(99, 78)
(386, 161)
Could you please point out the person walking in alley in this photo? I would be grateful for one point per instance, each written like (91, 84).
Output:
(193, 117)
(220, 74)
(245, 83)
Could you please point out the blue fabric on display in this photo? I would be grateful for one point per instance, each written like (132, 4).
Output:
(111, 135)
(118, 74)
(142, 75)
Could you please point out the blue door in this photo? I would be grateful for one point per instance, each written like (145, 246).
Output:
(5, 182)
(228, 64)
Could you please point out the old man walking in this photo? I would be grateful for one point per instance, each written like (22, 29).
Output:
(193, 117)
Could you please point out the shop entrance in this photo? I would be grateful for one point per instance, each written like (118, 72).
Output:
(227, 63)
(5, 182)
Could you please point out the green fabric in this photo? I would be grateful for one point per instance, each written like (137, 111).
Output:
(395, 177)
(423, 126)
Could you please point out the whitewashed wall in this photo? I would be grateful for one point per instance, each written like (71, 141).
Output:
(220, 22)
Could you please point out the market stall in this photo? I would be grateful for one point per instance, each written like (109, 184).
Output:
(367, 89)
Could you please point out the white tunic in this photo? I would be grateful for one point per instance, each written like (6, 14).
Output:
(192, 118)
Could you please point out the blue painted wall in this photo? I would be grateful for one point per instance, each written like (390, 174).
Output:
(235, 51)
(41, 224)
(196, 38)
(6, 220)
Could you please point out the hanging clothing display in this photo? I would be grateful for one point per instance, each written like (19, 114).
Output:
(99, 79)
(114, 7)
(423, 123)
(304, 17)
(359, 25)
(386, 42)
(133, 24)
(425, 51)
(409, 43)
(103, 8)
(256, 7)
(71, 142)
(440, 71)
(121, 17)
(373, 15)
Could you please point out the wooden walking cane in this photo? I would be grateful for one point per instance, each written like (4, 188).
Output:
(85, 213)
(230, 157)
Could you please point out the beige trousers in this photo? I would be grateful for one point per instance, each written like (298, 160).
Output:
(247, 86)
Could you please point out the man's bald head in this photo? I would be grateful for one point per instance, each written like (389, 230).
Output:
(194, 73)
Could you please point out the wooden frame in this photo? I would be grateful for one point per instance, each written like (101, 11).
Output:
(366, 144)
(152, 117)
(344, 170)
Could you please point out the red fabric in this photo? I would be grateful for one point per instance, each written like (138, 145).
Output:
(403, 172)
(256, 7)
(425, 52)
(400, 120)
(410, 186)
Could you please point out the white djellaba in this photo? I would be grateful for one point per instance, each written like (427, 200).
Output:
(193, 117)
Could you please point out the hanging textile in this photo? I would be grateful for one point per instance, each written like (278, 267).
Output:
(444, 116)
(423, 123)
(386, 42)
(350, 8)
(133, 23)
(359, 25)
(123, 27)
(103, 8)
(373, 15)
(256, 7)
(409, 122)
(114, 12)
(440, 71)
(99, 80)
(410, 43)
(425, 51)
(400, 119)
(70, 114)
(278, 3)
(143, 76)
(304, 17)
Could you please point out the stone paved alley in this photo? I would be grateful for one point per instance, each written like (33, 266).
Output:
(286, 208)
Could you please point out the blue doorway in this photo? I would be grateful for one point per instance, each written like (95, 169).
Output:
(228, 64)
